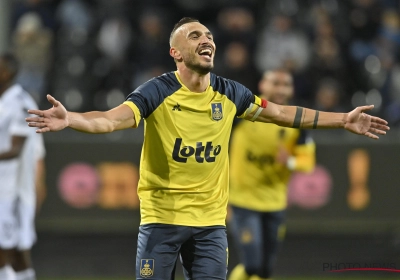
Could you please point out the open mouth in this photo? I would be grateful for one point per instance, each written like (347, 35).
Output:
(206, 52)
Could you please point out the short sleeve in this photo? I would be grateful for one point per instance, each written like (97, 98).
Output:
(18, 124)
(244, 98)
(136, 112)
(147, 97)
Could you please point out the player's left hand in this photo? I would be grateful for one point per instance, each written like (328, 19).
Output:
(361, 123)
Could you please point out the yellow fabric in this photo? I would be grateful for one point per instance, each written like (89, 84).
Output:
(195, 194)
(239, 273)
(255, 277)
(257, 102)
(258, 182)
(136, 112)
(281, 232)
(305, 157)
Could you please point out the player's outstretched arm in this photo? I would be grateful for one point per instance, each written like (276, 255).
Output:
(58, 118)
(355, 121)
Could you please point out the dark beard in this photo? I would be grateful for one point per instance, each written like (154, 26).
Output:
(202, 70)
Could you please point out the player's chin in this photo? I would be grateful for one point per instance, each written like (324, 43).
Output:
(207, 66)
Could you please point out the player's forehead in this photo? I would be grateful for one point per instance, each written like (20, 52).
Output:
(278, 76)
(188, 28)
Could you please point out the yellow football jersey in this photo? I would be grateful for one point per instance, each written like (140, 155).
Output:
(184, 163)
(257, 181)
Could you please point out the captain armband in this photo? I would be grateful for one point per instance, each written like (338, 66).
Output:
(256, 108)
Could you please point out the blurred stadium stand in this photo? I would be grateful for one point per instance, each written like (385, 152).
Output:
(91, 53)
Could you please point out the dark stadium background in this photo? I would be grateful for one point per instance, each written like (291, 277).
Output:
(91, 53)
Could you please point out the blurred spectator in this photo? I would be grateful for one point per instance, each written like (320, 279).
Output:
(114, 39)
(393, 114)
(150, 54)
(236, 24)
(378, 66)
(152, 48)
(289, 8)
(388, 55)
(124, 8)
(74, 14)
(328, 59)
(142, 76)
(198, 7)
(365, 19)
(104, 48)
(333, 11)
(32, 43)
(238, 66)
(43, 8)
(73, 83)
(385, 72)
(328, 96)
(365, 16)
(281, 45)
(389, 35)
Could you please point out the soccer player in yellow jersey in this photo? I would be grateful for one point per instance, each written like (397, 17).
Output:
(183, 187)
(262, 157)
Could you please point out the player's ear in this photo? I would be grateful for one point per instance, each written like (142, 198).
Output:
(176, 54)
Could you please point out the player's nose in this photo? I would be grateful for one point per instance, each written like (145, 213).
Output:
(205, 40)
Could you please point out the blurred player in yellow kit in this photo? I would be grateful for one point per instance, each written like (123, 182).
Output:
(263, 157)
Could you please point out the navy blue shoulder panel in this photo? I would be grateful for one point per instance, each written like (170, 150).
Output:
(152, 93)
(236, 92)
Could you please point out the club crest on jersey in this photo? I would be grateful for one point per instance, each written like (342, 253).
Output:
(146, 267)
(216, 111)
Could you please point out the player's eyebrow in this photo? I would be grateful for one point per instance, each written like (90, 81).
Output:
(197, 32)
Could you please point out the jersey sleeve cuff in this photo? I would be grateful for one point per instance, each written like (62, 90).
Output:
(20, 131)
(136, 112)
(256, 108)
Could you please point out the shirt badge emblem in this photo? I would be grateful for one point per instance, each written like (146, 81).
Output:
(216, 111)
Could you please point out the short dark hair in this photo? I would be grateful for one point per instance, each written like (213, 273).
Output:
(11, 63)
(179, 24)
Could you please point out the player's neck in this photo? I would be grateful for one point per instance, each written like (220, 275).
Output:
(194, 81)
(4, 87)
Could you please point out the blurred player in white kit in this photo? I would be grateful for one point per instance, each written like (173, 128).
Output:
(21, 149)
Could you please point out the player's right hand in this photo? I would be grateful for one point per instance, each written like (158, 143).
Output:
(53, 119)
